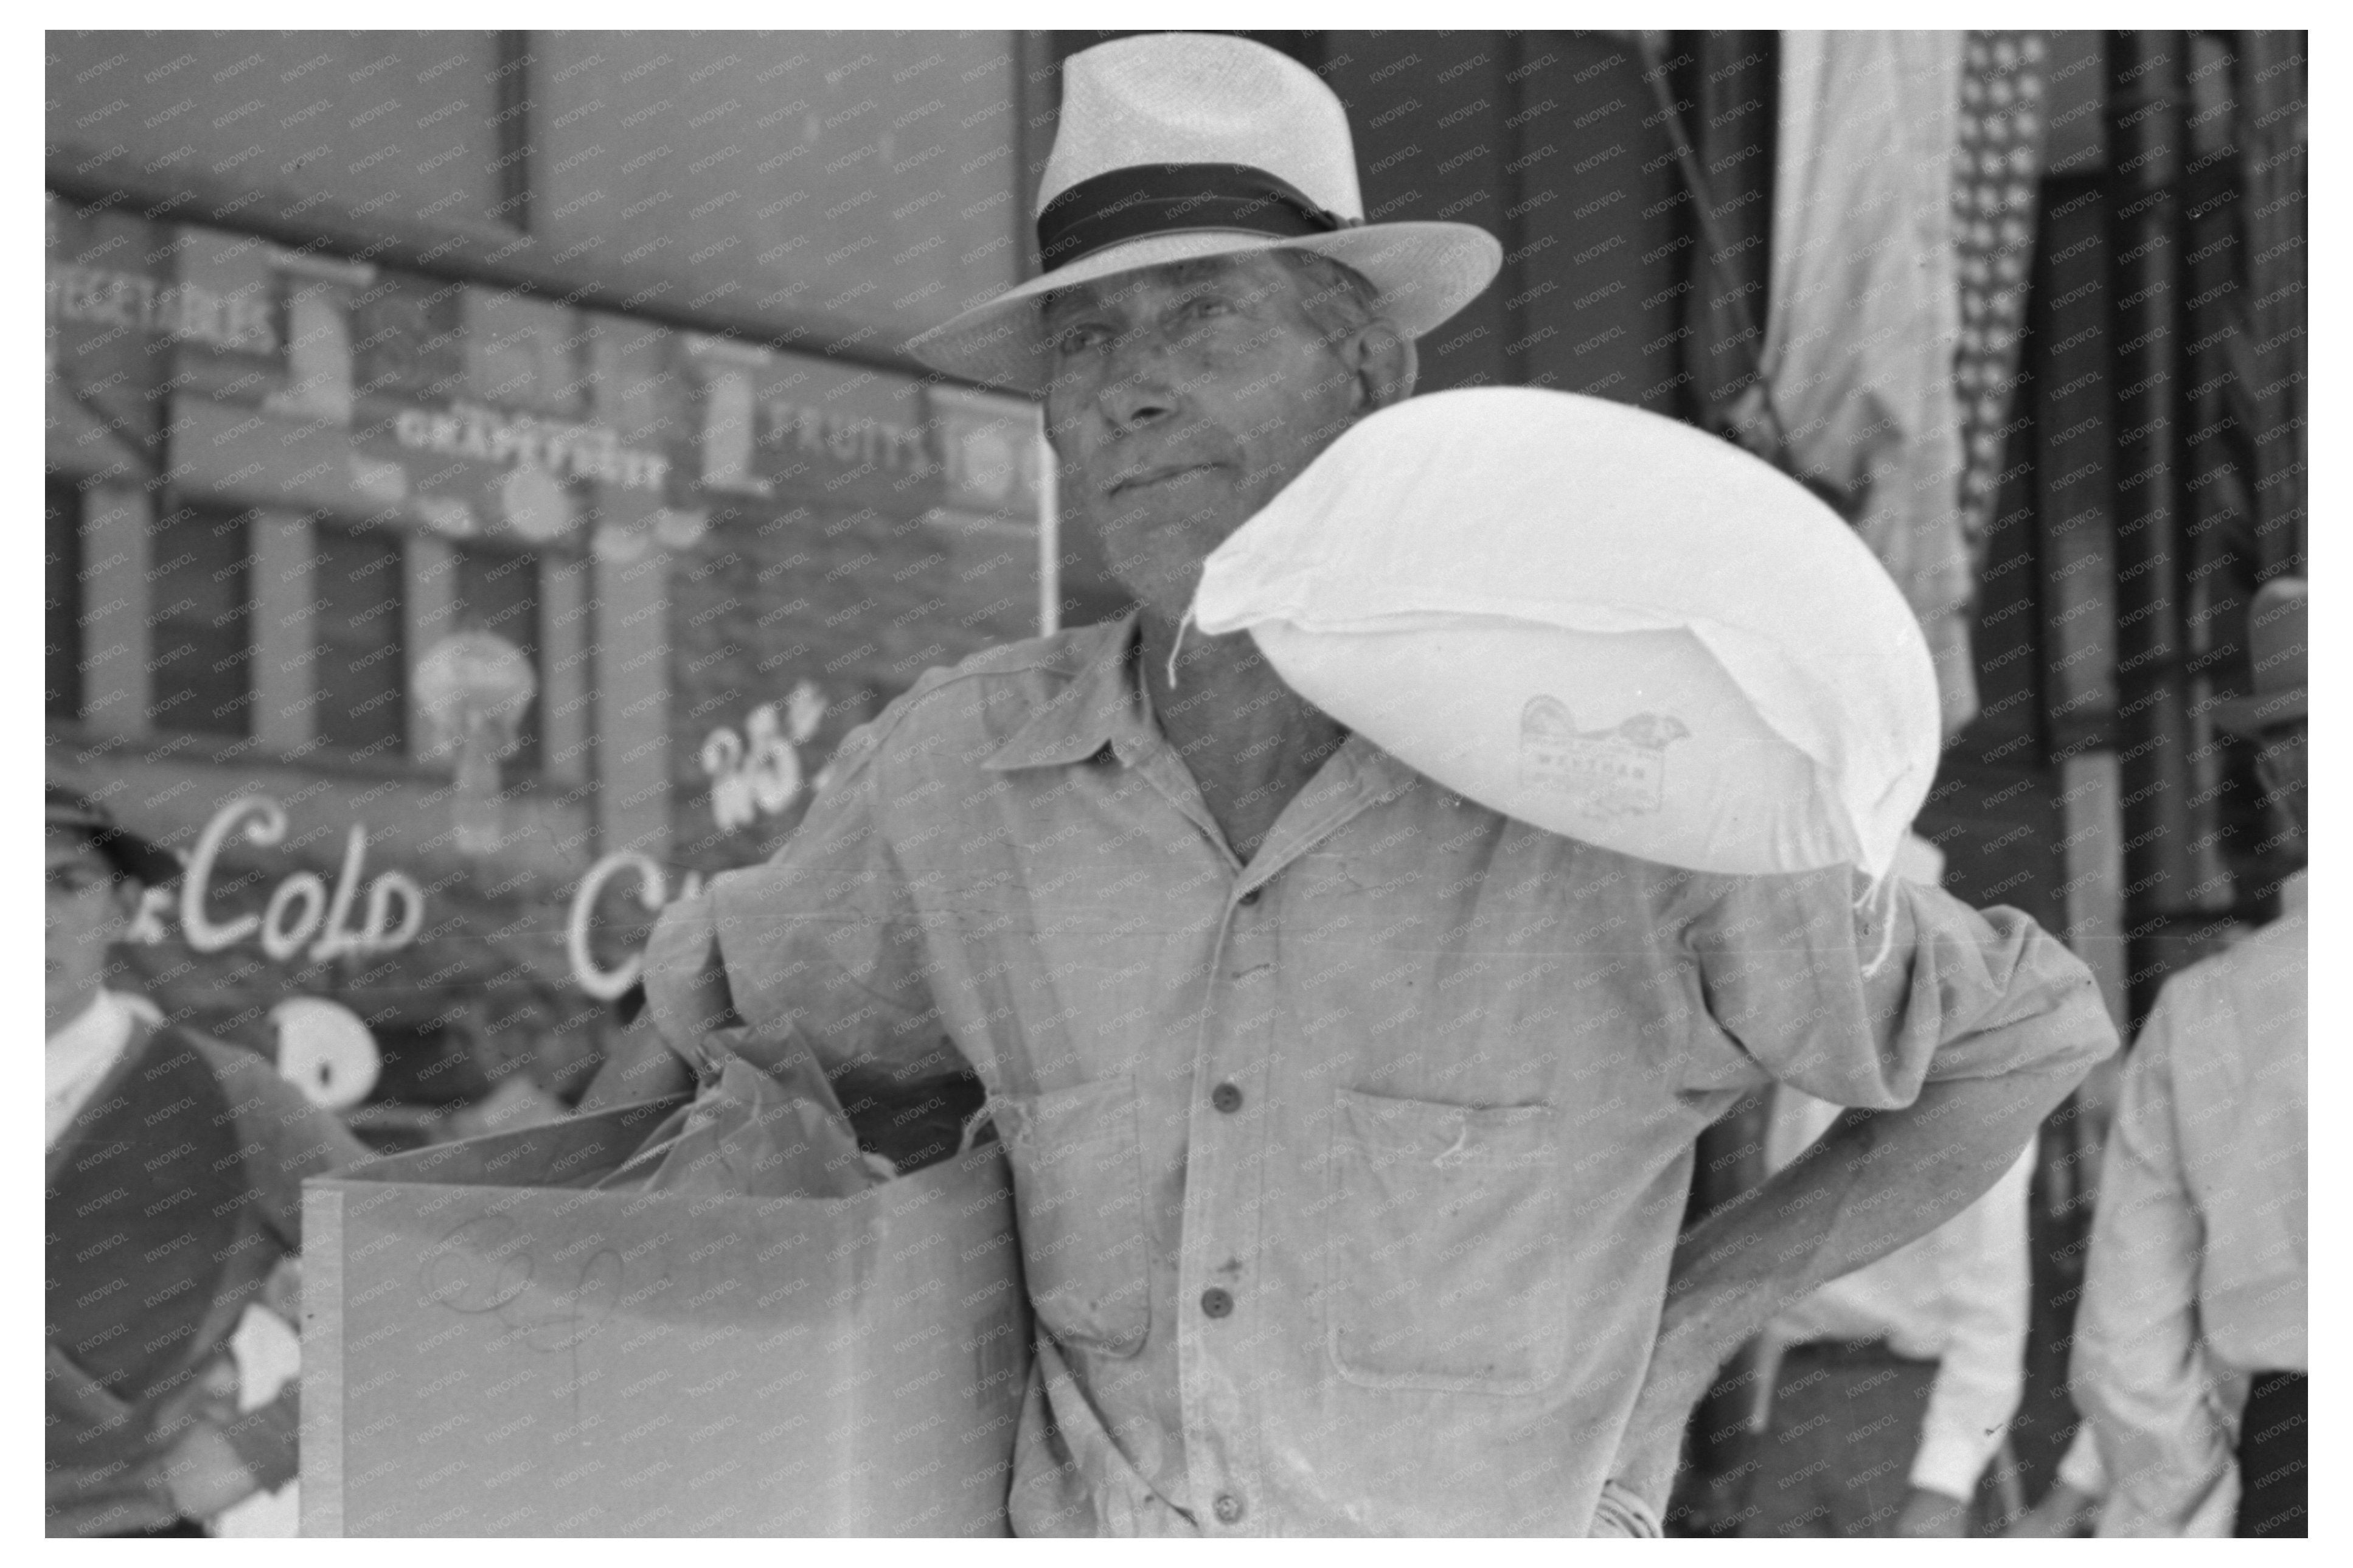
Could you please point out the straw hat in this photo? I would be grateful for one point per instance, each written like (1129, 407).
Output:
(2276, 653)
(1178, 145)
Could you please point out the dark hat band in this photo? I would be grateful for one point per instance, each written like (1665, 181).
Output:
(1175, 198)
(126, 851)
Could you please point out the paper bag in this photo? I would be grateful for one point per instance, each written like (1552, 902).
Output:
(763, 1134)
(493, 1346)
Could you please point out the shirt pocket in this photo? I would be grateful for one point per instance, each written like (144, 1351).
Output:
(1078, 1181)
(1445, 1257)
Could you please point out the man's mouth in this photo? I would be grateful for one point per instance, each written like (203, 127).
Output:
(1159, 474)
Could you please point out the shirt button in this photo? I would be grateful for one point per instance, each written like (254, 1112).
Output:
(1250, 898)
(1226, 1098)
(1227, 1508)
(1215, 1302)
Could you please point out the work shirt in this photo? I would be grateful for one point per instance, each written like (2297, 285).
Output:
(77, 1056)
(1957, 1296)
(2198, 1271)
(1347, 1178)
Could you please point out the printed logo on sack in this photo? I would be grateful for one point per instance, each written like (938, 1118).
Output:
(1603, 774)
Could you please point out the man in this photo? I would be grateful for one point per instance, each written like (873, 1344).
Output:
(174, 1173)
(1892, 1386)
(1351, 1123)
(2191, 1355)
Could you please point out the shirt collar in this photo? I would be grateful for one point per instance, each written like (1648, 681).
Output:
(81, 1053)
(105, 1020)
(1103, 705)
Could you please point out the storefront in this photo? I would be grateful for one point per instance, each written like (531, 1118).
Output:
(450, 630)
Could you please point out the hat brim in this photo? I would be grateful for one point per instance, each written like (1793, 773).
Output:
(2252, 716)
(1423, 273)
(128, 854)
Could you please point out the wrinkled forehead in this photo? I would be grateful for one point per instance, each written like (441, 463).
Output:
(1130, 291)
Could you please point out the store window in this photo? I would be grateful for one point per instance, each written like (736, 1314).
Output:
(497, 590)
(362, 673)
(62, 618)
(201, 675)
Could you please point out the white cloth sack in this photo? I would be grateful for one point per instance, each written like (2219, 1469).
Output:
(1601, 622)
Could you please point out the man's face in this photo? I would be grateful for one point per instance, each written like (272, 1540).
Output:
(1184, 398)
(2280, 763)
(88, 911)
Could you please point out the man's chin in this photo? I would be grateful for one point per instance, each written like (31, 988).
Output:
(1186, 511)
(1162, 596)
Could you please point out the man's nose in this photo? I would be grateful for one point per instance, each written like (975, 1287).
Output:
(1140, 386)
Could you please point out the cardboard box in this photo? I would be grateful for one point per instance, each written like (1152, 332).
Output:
(493, 1346)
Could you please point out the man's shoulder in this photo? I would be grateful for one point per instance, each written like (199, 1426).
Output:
(248, 1078)
(2259, 965)
(961, 711)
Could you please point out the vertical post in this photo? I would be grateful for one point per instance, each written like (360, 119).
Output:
(429, 601)
(1050, 539)
(566, 654)
(632, 696)
(1037, 110)
(510, 119)
(2087, 797)
(115, 593)
(2274, 143)
(1508, 181)
(2145, 73)
(285, 658)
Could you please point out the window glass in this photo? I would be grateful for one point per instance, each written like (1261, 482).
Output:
(201, 675)
(361, 674)
(62, 601)
(498, 591)
(372, 118)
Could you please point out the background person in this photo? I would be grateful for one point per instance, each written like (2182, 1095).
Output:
(174, 1173)
(2191, 1352)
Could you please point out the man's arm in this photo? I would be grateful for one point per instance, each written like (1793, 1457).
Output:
(819, 949)
(284, 1136)
(104, 1470)
(1982, 1022)
(1874, 1182)
(178, 1461)
(1982, 1264)
(2140, 1371)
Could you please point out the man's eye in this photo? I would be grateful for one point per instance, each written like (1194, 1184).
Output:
(1210, 305)
(1084, 338)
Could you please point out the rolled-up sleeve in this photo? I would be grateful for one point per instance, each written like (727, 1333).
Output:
(1860, 1001)
(2140, 1371)
(820, 947)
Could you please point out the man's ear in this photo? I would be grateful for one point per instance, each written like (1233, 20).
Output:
(1384, 362)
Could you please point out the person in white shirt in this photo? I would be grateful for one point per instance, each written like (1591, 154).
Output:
(2191, 1352)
